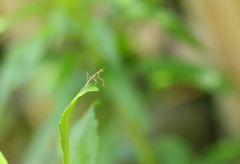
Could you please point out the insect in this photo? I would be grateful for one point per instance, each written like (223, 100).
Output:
(94, 77)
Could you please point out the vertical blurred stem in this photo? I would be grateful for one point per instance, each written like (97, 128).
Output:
(131, 114)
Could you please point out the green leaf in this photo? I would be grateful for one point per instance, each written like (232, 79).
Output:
(223, 152)
(84, 139)
(2, 159)
(167, 72)
(63, 94)
(64, 123)
(108, 143)
(173, 150)
(3, 24)
(174, 25)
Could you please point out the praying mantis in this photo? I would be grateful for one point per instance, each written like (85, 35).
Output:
(94, 77)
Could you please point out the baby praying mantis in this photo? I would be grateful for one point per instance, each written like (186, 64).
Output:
(94, 77)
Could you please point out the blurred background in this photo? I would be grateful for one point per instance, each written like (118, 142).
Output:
(171, 72)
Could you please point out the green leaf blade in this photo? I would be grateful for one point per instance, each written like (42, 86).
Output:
(84, 139)
(64, 123)
(2, 159)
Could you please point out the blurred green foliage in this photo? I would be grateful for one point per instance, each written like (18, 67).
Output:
(78, 36)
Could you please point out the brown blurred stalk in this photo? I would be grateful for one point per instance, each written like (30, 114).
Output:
(217, 22)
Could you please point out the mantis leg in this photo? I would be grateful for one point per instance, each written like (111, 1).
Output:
(101, 79)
